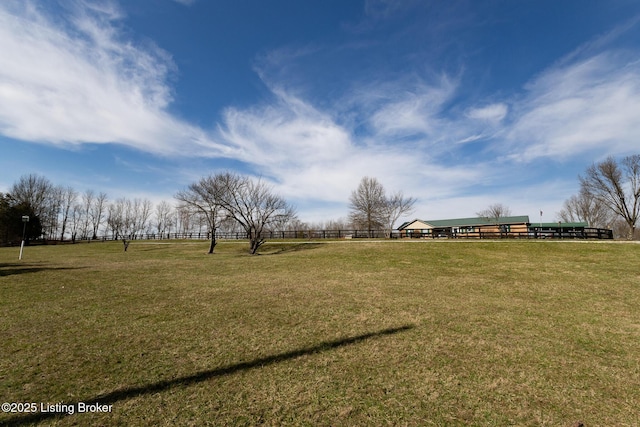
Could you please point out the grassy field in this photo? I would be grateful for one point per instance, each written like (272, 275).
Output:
(422, 333)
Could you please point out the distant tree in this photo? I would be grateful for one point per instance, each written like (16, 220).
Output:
(97, 213)
(620, 228)
(372, 209)
(115, 218)
(36, 191)
(54, 211)
(336, 224)
(75, 219)
(495, 214)
(254, 206)
(128, 218)
(396, 206)
(5, 218)
(69, 198)
(206, 197)
(368, 205)
(584, 207)
(32, 189)
(142, 212)
(164, 217)
(87, 203)
(617, 186)
(184, 217)
(11, 225)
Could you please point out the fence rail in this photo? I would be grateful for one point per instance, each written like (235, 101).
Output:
(569, 234)
(287, 234)
(587, 233)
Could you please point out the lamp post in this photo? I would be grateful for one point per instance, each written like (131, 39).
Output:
(25, 220)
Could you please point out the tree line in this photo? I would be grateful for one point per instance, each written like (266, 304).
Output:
(220, 203)
(62, 213)
(226, 202)
(609, 196)
(226, 198)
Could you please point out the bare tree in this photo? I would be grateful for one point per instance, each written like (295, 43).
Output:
(495, 213)
(69, 198)
(620, 228)
(37, 192)
(254, 206)
(54, 211)
(586, 208)
(142, 212)
(336, 224)
(206, 198)
(368, 205)
(128, 218)
(164, 217)
(76, 220)
(183, 219)
(97, 213)
(372, 209)
(616, 185)
(33, 189)
(87, 202)
(396, 206)
(115, 218)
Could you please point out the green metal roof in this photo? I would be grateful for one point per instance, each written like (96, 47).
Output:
(562, 224)
(464, 222)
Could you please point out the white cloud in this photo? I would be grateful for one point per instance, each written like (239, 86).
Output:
(311, 157)
(591, 105)
(82, 81)
(79, 81)
(491, 113)
(410, 108)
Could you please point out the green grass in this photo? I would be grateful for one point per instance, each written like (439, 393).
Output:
(341, 333)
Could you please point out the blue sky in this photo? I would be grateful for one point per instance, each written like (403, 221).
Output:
(460, 104)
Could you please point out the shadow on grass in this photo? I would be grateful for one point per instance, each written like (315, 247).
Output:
(127, 393)
(11, 269)
(293, 247)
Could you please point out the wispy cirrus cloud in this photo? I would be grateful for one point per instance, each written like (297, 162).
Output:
(413, 109)
(81, 78)
(307, 151)
(73, 79)
(589, 105)
(586, 104)
(491, 113)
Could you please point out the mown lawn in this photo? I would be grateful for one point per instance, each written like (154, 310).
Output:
(312, 333)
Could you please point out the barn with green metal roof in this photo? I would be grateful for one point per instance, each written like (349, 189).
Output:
(464, 226)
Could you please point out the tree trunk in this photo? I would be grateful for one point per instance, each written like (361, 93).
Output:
(254, 243)
(212, 244)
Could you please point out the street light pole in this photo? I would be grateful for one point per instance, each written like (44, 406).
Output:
(25, 220)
